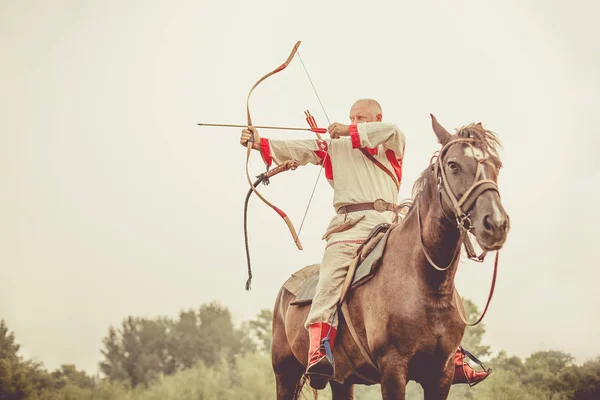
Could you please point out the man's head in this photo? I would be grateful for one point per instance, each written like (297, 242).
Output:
(365, 110)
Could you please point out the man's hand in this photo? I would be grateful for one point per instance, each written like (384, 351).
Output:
(337, 130)
(247, 134)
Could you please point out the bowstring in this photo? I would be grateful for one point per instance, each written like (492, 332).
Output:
(313, 86)
(326, 153)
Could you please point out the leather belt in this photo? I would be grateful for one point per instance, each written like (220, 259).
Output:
(378, 205)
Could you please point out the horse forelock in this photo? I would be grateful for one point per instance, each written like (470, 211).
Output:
(486, 140)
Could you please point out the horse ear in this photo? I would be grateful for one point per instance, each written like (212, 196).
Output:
(442, 134)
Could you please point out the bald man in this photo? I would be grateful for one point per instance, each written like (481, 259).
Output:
(363, 164)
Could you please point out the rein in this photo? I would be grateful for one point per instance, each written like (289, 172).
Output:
(461, 209)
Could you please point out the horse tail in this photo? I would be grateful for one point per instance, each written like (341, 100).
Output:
(300, 386)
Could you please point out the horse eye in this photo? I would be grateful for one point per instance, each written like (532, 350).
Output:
(453, 166)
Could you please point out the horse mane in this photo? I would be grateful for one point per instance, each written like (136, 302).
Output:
(486, 140)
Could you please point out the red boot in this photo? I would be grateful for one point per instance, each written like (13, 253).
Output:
(320, 369)
(463, 373)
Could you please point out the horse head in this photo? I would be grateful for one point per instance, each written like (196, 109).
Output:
(466, 172)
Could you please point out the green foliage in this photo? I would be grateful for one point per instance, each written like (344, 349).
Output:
(20, 379)
(8, 347)
(261, 328)
(249, 378)
(144, 349)
(68, 374)
(202, 356)
(583, 382)
(14, 383)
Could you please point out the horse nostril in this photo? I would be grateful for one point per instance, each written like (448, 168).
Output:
(504, 225)
(487, 223)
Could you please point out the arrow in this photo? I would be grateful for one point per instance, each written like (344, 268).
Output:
(316, 130)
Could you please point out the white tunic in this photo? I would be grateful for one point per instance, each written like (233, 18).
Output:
(354, 178)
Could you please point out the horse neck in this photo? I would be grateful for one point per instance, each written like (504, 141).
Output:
(440, 238)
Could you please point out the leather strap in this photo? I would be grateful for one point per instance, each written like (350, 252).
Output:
(378, 205)
(354, 334)
(487, 304)
(383, 167)
(461, 207)
(349, 277)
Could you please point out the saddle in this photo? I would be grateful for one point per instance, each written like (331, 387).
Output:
(303, 283)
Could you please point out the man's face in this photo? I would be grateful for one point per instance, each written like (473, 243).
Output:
(362, 111)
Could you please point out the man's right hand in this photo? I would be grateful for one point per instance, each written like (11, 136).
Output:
(247, 134)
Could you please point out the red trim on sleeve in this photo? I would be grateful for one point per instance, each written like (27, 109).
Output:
(356, 140)
(355, 137)
(265, 151)
(322, 153)
(396, 163)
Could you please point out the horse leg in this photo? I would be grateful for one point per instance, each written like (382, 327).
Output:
(288, 370)
(341, 391)
(394, 378)
(288, 373)
(439, 389)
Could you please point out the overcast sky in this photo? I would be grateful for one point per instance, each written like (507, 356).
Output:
(115, 203)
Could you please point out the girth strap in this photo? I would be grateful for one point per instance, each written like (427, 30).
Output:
(361, 347)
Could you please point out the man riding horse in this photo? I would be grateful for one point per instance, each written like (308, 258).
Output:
(365, 170)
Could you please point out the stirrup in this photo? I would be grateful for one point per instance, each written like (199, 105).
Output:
(321, 371)
(486, 371)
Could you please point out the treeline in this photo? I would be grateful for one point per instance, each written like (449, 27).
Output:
(24, 379)
(201, 354)
(144, 349)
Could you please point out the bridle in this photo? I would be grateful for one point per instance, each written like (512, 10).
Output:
(460, 208)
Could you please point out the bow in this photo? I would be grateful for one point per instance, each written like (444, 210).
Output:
(250, 142)
(264, 178)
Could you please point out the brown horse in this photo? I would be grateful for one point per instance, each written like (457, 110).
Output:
(407, 315)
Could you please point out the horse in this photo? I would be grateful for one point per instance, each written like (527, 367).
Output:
(408, 315)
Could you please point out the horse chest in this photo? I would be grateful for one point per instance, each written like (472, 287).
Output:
(421, 320)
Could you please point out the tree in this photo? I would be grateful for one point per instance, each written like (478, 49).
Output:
(582, 382)
(218, 337)
(185, 340)
(513, 363)
(114, 358)
(69, 374)
(261, 329)
(143, 349)
(8, 347)
(139, 352)
(14, 374)
(543, 369)
(553, 361)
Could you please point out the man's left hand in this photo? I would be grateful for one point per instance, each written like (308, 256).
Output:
(337, 130)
